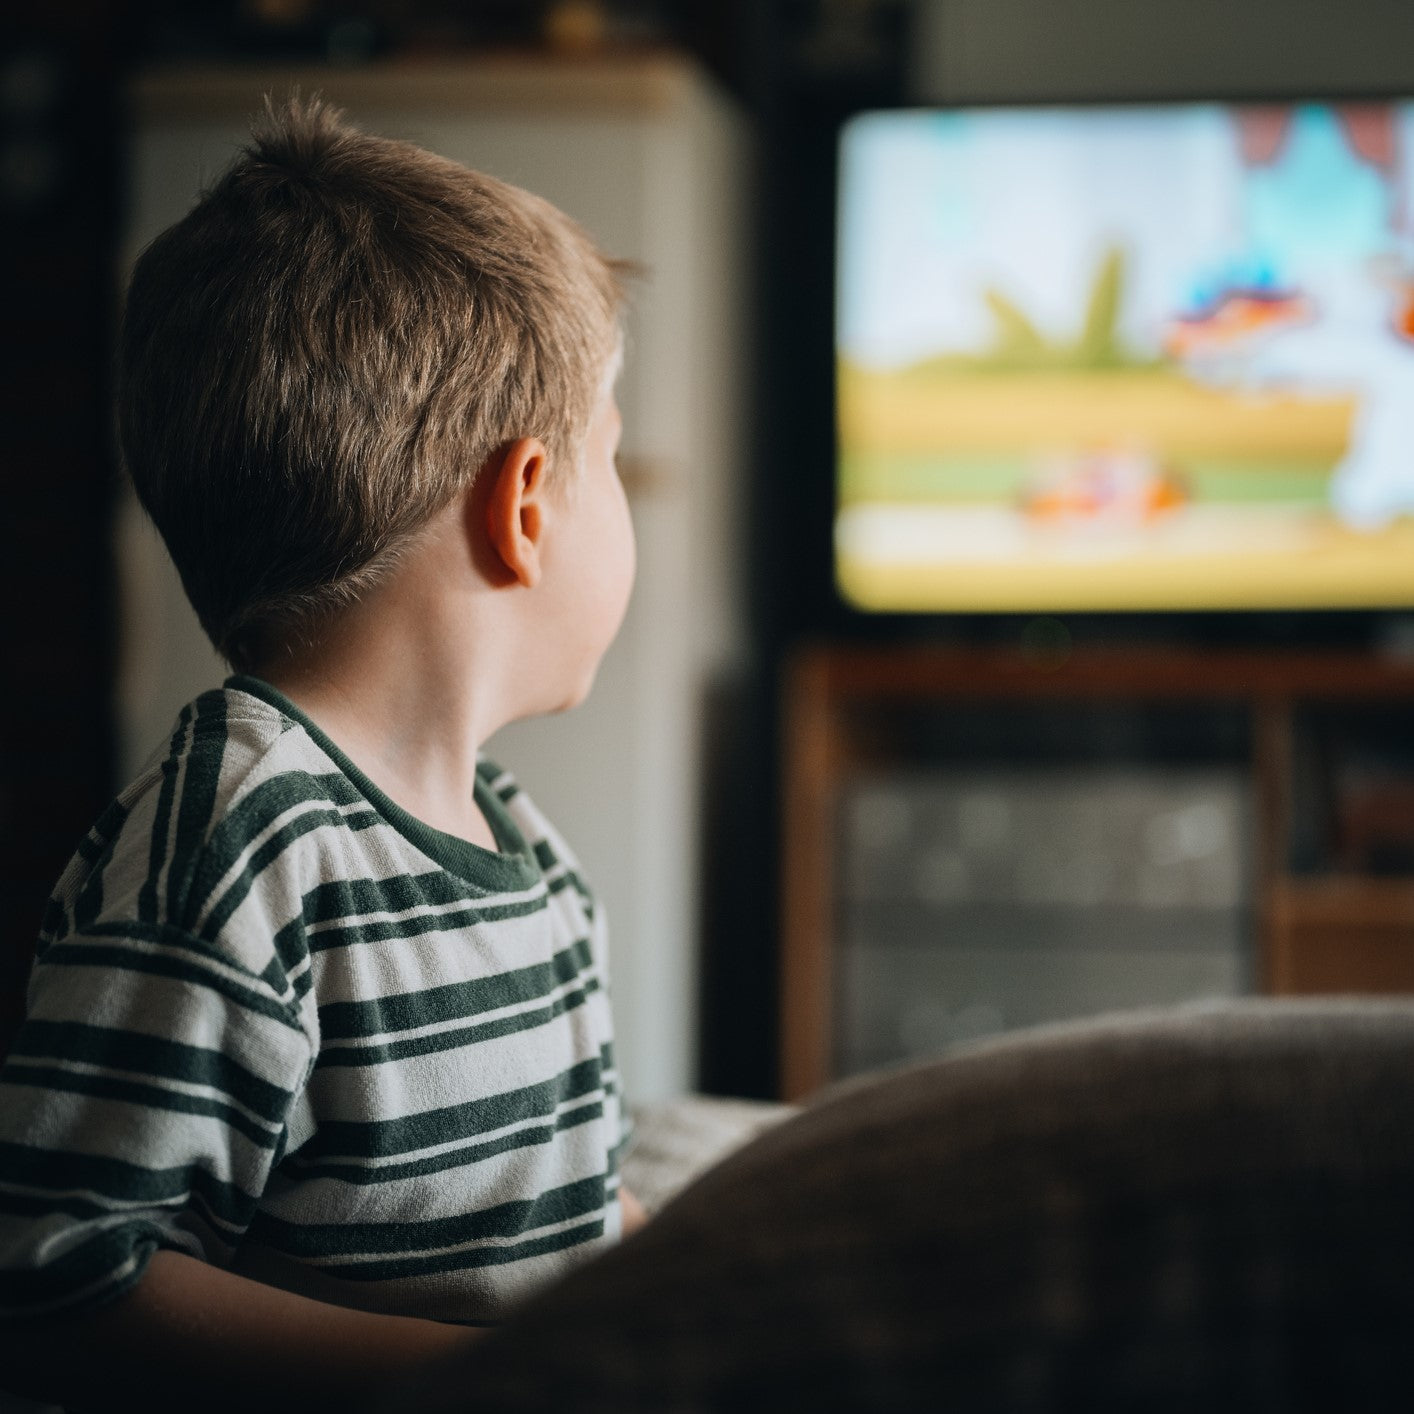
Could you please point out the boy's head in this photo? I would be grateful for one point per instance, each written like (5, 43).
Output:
(326, 351)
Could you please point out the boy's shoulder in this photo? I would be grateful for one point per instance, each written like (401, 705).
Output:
(236, 783)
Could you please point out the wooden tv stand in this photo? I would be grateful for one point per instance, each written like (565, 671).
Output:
(1329, 931)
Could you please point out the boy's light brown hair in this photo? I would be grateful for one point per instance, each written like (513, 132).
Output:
(328, 348)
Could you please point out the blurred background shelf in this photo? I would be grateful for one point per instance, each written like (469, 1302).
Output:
(1342, 933)
(976, 840)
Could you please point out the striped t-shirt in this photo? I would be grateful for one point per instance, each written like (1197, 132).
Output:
(279, 1024)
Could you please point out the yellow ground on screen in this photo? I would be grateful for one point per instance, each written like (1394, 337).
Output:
(903, 414)
(1356, 571)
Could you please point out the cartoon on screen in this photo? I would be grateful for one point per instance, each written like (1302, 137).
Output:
(1155, 357)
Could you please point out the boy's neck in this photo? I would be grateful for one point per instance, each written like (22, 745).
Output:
(409, 682)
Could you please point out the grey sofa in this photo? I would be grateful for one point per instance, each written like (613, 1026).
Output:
(1195, 1210)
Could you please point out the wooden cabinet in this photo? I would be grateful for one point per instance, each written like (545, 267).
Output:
(1318, 925)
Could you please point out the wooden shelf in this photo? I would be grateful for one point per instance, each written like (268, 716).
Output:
(1314, 934)
(843, 672)
(1342, 933)
(633, 82)
(1346, 901)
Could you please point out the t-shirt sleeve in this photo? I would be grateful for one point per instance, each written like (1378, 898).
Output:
(142, 1106)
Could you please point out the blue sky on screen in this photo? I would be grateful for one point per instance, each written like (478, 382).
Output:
(936, 207)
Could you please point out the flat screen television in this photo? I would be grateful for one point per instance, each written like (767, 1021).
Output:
(1126, 358)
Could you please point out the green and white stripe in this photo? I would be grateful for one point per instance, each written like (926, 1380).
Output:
(278, 1023)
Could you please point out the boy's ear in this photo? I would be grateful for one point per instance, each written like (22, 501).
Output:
(515, 507)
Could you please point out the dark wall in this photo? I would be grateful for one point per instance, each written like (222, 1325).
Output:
(993, 50)
(58, 203)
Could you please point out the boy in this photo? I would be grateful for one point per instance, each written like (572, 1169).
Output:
(317, 1070)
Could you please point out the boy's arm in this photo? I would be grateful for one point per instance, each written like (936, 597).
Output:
(635, 1215)
(190, 1334)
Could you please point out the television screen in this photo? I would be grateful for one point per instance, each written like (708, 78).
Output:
(1126, 358)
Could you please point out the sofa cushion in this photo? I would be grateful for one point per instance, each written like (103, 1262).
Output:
(1207, 1208)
